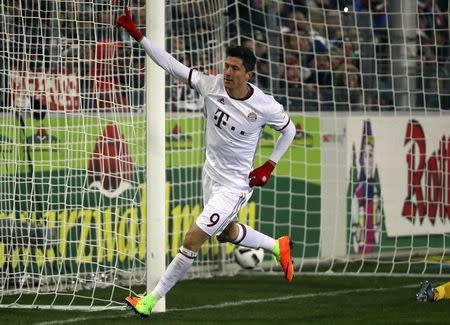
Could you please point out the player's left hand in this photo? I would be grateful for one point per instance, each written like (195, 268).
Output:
(261, 175)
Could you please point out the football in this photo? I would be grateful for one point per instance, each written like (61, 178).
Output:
(248, 258)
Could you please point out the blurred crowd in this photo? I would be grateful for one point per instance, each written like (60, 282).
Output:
(68, 55)
(337, 55)
(313, 55)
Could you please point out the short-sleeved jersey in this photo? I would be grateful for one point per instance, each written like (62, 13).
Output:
(234, 128)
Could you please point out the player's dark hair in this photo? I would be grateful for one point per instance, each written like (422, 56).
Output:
(243, 53)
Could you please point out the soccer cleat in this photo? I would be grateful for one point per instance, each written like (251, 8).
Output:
(142, 305)
(285, 245)
(426, 292)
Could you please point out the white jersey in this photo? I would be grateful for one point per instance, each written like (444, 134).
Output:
(234, 128)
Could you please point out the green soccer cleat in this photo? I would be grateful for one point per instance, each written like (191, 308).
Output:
(426, 292)
(142, 305)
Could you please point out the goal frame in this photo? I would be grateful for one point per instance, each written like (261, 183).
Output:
(155, 145)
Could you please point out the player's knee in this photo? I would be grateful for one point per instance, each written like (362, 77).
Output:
(194, 239)
(228, 234)
(190, 242)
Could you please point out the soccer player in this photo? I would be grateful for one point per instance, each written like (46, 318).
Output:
(235, 112)
(429, 294)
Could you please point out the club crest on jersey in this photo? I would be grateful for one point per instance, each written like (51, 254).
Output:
(252, 116)
(221, 100)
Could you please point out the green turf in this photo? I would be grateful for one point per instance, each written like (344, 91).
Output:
(269, 300)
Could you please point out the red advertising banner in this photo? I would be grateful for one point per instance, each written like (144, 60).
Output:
(58, 90)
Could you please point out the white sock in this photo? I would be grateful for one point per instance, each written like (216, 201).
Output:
(174, 272)
(249, 237)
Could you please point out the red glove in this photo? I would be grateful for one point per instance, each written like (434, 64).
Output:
(126, 22)
(260, 176)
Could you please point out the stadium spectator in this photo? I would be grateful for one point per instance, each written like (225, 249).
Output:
(321, 77)
(337, 58)
(251, 14)
(347, 88)
(183, 24)
(299, 94)
(350, 46)
(103, 21)
(306, 50)
(321, 4)
(260, 48)
(431, 15)
(296, 22)
(431, 92)
(290, 43)
(333, 27)
(377, 10)
(285, 10)
(433, 54)
(442, 46)
(235, 112)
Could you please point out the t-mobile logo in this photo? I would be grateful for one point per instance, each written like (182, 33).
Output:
(221, 117)
(222, 120)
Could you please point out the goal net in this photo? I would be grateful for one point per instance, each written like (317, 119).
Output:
(364, 188)
(73, 155)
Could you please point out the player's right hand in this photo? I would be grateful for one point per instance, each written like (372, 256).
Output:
(126, 22)
(261, 175)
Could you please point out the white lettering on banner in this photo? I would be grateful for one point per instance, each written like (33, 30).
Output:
(58, 90)
(413, 160)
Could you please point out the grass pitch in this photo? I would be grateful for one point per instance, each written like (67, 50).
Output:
(265, 299)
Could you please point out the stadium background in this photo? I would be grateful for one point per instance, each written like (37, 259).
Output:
(73, 127)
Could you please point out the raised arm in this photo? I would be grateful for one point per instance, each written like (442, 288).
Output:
(157, 54)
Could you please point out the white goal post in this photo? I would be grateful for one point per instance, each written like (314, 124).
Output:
(101, 151)
(156, 160)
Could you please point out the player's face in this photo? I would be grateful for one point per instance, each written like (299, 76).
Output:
(235, 76)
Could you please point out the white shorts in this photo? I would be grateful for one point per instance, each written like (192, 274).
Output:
(221, 206)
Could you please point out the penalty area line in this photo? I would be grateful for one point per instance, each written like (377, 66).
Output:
(234, 303)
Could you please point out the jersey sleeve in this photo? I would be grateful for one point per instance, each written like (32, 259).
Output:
(277, 118)
(165, 60)
(204, 84)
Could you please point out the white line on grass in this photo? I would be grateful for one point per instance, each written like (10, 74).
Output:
(235, 303)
